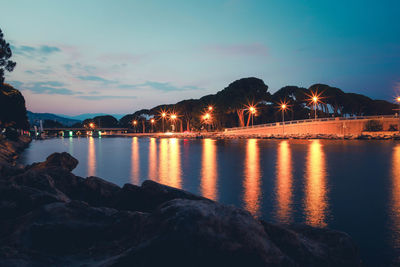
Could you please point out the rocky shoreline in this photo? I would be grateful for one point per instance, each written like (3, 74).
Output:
(51, 217)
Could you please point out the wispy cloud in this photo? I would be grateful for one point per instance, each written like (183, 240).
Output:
(102, 97)
(47, 87)
(254, 49)
(33, 52)
(93, 78)
(160, 86)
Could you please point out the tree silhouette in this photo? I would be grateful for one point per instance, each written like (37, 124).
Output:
(5, 54)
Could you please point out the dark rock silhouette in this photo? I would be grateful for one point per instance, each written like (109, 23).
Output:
(49, 216)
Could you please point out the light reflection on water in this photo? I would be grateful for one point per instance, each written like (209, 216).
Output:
(91, 157)
(284, 183)
(252, 177)
(135, 161)
(395, 198)
(315, 200)
(209, 172)
(352, 186)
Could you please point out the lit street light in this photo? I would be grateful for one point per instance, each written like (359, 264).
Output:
(152, 121)
(315, 100)
(91, 125)
(173, 118)
(252, 112)
(283, 109)
(134, 124)
(210, 108)
(163, 115)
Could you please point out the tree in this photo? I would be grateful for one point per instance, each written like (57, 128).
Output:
(5, 55)
(12, 108)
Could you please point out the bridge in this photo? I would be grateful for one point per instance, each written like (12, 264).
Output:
(84, 131)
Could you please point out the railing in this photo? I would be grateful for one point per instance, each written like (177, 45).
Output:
(311, 120)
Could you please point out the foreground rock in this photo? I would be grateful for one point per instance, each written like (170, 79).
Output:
(48, 216)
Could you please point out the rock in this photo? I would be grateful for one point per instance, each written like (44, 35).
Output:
(308, 246)
(74, 233)
(202, 233)
(58, 160)
(96, 191)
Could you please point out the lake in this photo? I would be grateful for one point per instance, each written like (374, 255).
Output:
(352, 186)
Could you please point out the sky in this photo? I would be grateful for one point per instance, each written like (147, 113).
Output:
(117, 57)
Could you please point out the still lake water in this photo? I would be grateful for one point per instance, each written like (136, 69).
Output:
(352, 186)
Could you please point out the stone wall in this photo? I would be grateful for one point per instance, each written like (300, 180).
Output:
(329, 127)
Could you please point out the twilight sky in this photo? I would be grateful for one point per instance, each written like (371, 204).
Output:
(120, 56)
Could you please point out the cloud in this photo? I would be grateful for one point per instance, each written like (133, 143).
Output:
(255, 49)
(160, 86)
(102, 97)
(35, 52)
(47, 87)
(93, 78)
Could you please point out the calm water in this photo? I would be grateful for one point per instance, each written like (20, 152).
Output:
(353, 186)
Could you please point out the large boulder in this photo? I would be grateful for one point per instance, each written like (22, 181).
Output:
(57, 160)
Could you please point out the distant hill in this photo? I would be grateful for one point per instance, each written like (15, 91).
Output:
(34, 118)
(85, 116)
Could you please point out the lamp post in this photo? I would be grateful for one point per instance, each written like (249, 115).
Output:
(163, 115)
(134, 124)
(173, 118)
(283, 108)
(206, 119)
(252, 112)
(152, 121)
(398, 113)
(315, 100)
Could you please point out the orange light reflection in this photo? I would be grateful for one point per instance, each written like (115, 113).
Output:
(395, 197)
(315, 202)
(91, 157)
(135, 172)
(284, 180)
(209, 170)
(153, 159)
(252, 177)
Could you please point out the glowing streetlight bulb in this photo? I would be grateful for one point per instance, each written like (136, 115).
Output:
(134, 122)
(173, 116)
(210, 108)
(164, 114)
(398, 99)
(91, 125)
(283, 106)
(152, 120)
(315, 99)
(252, 110)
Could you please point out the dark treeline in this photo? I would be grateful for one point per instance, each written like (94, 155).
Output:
(231, 108)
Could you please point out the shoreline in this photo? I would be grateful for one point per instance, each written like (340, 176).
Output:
(223, 135)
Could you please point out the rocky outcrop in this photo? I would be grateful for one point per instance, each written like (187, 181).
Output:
(49, 216)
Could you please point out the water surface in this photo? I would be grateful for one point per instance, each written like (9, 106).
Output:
(353, 186)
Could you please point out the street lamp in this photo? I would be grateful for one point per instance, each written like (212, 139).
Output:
(283, 108)
(134, 124)
(163, 115)
(210, 108)
(173, 118)
(398, 113)
(152, 121)
(252, 112)
(91, 125)
(315, 101)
